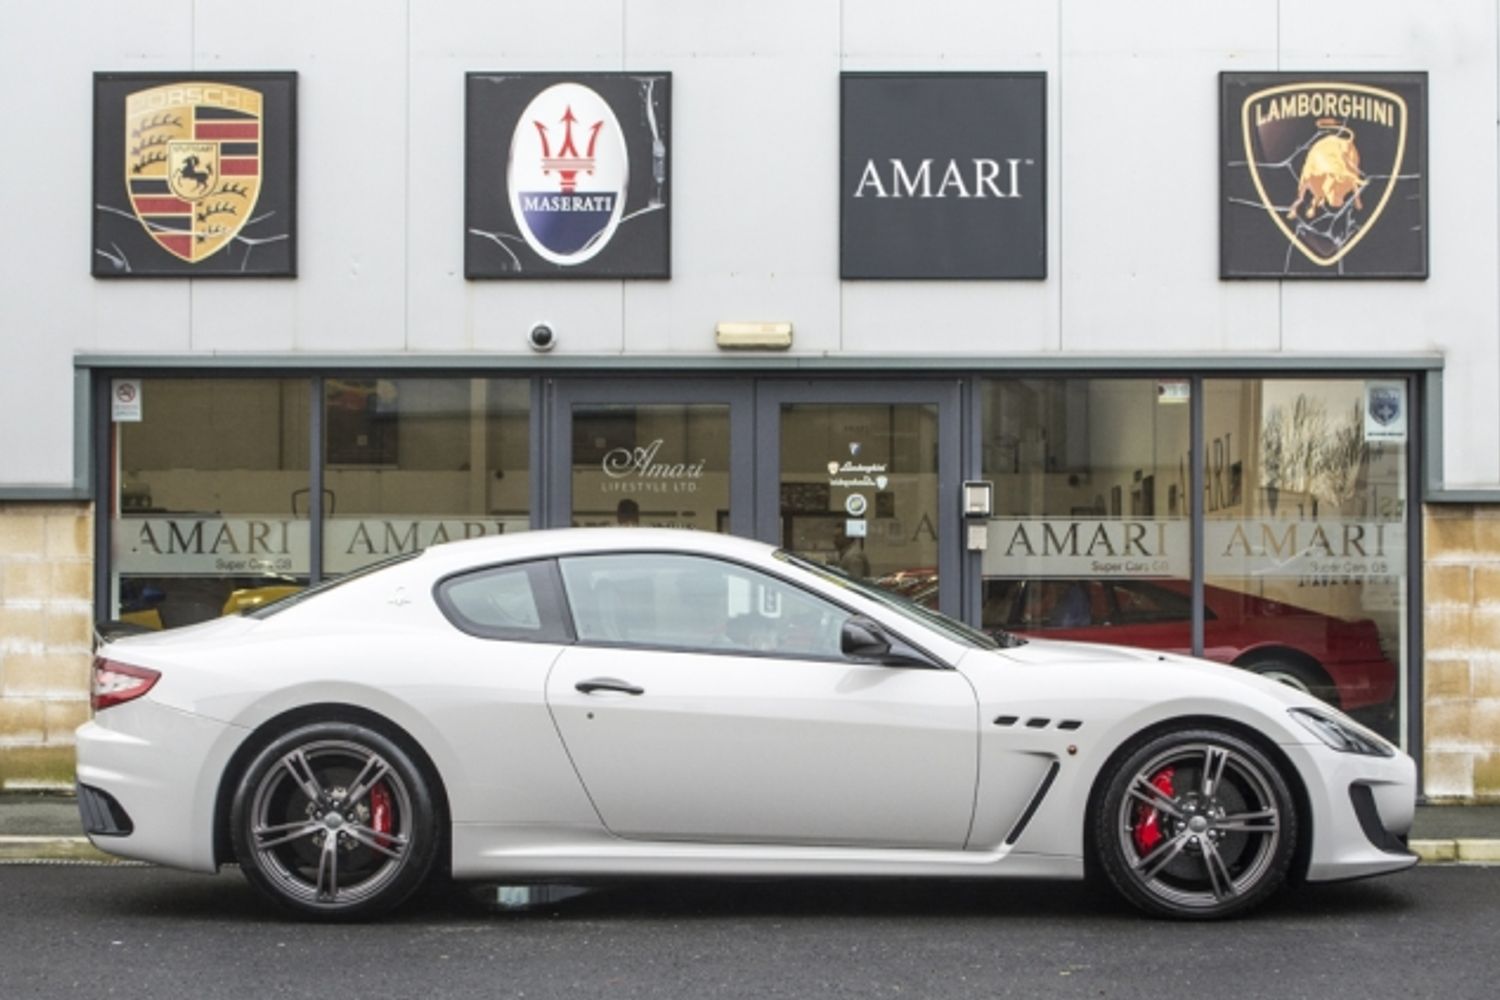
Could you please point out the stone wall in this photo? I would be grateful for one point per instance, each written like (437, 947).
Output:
(46, 613)
(1461, 672)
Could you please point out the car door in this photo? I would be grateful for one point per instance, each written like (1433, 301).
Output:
(707, 701)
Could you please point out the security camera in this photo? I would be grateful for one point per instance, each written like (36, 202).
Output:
(541, 338)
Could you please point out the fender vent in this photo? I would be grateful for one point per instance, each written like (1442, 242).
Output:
(1034, 804)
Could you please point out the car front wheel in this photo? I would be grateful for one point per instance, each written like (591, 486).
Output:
(334, 821)
(1195, 824)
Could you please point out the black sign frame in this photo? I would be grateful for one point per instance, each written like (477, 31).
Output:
(946, 245)
(122, 244)
(494, 249)
(1387, 235)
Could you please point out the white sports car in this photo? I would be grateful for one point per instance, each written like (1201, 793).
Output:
(637, 702)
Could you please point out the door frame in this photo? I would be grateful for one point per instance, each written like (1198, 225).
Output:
(945, 394)
(562, 394)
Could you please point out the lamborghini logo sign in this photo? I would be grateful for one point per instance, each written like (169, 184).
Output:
(1325, 158)
(193, 154)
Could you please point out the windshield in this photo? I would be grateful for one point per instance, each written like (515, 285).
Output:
(951, 629)
(292, 600)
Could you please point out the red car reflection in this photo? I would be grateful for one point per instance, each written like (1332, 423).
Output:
(1337, 660)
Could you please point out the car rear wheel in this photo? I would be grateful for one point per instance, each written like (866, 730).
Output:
(1195, 824)
(334, 821)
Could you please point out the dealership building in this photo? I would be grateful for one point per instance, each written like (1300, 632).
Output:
(1094, 320)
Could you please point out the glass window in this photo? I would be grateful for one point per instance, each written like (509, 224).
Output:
(692, 603)
(414, 462)
(859, 491)
(662, 466)
(508, 602)
(209, 499)
(1305, 536)
(1091, 501)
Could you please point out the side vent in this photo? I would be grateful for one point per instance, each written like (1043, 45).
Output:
(1035, 803)
(1038, 723)
(1007, 720)
(1070, 724)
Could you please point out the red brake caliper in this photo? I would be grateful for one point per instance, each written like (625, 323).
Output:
(1148, 832)
(380, 811)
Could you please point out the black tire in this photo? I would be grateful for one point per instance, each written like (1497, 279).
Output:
(1303, 677)
(1176, 841)
(334, 821)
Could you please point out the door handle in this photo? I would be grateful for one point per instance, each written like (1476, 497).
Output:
(608, 684)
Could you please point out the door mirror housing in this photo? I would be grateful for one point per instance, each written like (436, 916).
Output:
(862, 639)
(865, 639)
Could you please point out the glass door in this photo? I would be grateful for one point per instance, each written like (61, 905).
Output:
(652, 453)
(865, 476)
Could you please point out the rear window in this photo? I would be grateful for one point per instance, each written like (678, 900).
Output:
(517, 602)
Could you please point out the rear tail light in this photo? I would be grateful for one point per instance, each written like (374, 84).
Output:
(117, 683)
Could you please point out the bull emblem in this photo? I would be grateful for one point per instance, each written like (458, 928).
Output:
(1330, 173)
(1320, 187)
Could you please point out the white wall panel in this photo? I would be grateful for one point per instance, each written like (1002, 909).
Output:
(1455, 311)
(350, 293)
(1139, 231)
(933, 318)
(754, 167)
(48, 302)
(448, 40)
(1132, 186)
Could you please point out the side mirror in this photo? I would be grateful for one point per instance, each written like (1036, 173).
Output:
(863, 639)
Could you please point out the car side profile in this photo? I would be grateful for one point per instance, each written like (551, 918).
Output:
(649, 703)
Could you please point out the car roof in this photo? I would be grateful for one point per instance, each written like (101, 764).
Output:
(571, 541)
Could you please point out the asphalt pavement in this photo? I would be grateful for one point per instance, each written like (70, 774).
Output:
(83, 931)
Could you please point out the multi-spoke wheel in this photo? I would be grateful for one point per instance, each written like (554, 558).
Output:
(1195, 823)
(334, 820)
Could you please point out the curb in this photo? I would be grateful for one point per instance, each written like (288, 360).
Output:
(17, 848)
(1457, 850)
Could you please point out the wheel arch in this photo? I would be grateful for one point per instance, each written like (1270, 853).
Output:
(278, 725)
(1302, 854)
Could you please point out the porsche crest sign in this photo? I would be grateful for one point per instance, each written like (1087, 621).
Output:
(200, 181)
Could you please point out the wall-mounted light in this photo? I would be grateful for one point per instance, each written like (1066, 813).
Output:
(753, 336)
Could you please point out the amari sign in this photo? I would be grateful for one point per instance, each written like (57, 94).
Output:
(567, 176)
(943, 175)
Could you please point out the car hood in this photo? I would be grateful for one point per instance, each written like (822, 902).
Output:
(1146, 666)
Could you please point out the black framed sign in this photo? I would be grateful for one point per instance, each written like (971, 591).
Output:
(943, 175)
(195, 175)
(1323, 175)
(566, 175)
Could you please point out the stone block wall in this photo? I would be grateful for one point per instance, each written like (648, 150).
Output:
(46, 634)
(1461, 636)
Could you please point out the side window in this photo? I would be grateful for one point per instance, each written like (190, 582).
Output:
(1063, 604)
(504, 602)
(1142, 603)
(694, 603)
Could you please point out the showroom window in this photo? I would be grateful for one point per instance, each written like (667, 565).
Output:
(1305, 536)
(1301, 496)
(414, 462)
(212, 488)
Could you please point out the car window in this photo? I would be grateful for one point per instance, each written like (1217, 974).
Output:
(1063, 604)
(1139, 602)
(504, 602)
(695, 603)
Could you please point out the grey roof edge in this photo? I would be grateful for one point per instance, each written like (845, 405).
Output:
(767, 361)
